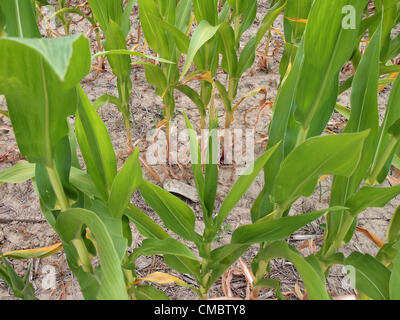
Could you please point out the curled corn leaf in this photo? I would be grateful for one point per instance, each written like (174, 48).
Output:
(34, 253)
(252, 93)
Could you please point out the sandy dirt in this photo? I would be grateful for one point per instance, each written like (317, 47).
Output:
(22, 225)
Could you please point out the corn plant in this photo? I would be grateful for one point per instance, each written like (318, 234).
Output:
(61, 13)
(90, 209)
(11, 26)
(213, 35)
(160, 20)
(295, 19)
(179, 218)
(20, 286)
(386, 12)
(225, 39)
(85, 209)
(304, 104)
(114, 21)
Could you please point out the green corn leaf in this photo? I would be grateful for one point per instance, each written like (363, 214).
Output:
(211, 171)
(44, 188)
(195, 97)
(156, 77)
(2, 23)
(20, 19)
(393, 231)
(223, 14)
(201, 35)
(392, 115)
(324, 56)
(289, 55)
(112, 278)
(363, 115)
(394, 48)
(248, 16)
(20, 286)
(176, 215)
(197, 169)
(224, 254)
(18, 173)
(206, 10)
(73, 144)
(364, 103)
(241, 186)
(126, 52)
(96, 146)
(296, 10)
(224, 95)
(120, 63)
(183, 14)
(394, 281)
(222, 258)
(394, 130)
(105, 10)
(227, 48)
(274, 229)
(41, 86)
(344, 111)
(396, 160)
(371, 197)
(145, 225)
(152, 29)
(389, 9)
(62, 160)
(115, 227)
(149, 293)
(247, 56)
(182, 41)
(386, 255)
(271, 283)
(104, 99)
(149, 229)
(372, 277)
(312, 277)
(125, 183)
(317, 156)
(237, 6)
(283, 129)
(83, 182)
(169, 246)
(167, 9)
(382, 71)
(125, 19)
(44, 177)
(183, 265)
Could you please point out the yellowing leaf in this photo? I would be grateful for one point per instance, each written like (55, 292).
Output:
(251, 94)
(298, 292)
(205, 76)
(297, 20)
(322, 178)
(34, 253)
(373, 237)
(161, 123)
(391, 76)
(164, 279)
